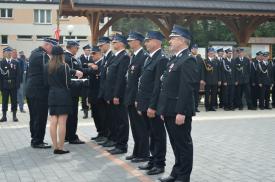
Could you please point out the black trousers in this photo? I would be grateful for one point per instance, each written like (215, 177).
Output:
(254, 95)
(228, 95)
(84, 98)
(221, 96)
(111, 122)
(273, 96)
(210, 96)
(12, 93)
(72, 121)
(196, 91)
(182, 145)
(140, 132)
(240, 90)
(264, 99)
(99, 115)
(157, 140)
(38, 109)
(122, 132)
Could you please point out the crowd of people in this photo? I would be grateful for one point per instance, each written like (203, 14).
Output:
(147, 92)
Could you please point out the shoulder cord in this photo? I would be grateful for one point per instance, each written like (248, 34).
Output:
(261, 69)
(3, 72)
(253, 64)
(224, 66)
(66, 76)
(208, 68)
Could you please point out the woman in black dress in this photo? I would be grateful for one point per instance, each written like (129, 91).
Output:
(59, 98)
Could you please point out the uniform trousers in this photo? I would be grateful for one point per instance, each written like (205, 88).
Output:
(38, 109)
(157, 140)
(182, 145)
(140, 131)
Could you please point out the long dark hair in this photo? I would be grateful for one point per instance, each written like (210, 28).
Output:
(55, 62)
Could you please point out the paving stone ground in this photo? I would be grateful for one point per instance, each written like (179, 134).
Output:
(228, 146)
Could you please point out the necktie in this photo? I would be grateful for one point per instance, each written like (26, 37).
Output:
(133, 57)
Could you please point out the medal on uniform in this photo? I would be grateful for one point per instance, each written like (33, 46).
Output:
(132, 69)
(171, 66)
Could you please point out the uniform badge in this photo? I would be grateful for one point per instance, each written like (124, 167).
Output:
(132, 69)
(171, 66)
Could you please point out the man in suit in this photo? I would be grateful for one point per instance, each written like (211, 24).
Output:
(220, 57)
(242, 80)
(114, 94)
(10, 73)
(199, 61)
(211, 78)
(37, 92)
(85, 59)
(75, 67)
(273, 88)
(265, 81)
(139, 127)
(148, 94)
(228, 80)
(253, 79)
(96, 103)
(176, 103)
(106, 138)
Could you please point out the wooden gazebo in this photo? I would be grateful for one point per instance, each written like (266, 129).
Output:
(242, 17)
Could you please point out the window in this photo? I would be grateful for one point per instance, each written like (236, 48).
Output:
(6, 13)
(81, 38)
(24, 37)
(41, 37)
(4, 39)
(61, 40)
(42, 16)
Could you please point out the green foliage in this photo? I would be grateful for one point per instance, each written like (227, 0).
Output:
(265, 30)
(126, 25)
(203, 30)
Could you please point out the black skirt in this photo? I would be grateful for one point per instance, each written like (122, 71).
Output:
(60, 110)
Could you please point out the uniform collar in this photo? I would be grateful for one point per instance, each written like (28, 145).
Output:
(178, 53)
(136, 52)
(107, 52)
(117, 53)
(153, 53)
(98, 60)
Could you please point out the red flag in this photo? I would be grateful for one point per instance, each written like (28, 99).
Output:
(57, 33)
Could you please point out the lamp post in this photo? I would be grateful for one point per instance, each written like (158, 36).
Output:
(70, 29)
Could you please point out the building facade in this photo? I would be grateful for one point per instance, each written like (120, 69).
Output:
(24, 24)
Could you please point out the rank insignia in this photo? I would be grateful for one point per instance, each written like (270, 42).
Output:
(171, 66)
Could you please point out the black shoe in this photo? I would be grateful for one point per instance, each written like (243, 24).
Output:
(102, 142)
(167, 179)
(155, 170)
(146, 167)
(109, 144)
(251, 108)
(116, 151)
(3, 119)
(130, 157)
(23, 111)
(94, 138)
(138, 160)
(76, 141)
(268, 108)
(100, 139)
(212, 109)
(197, 110)
(57, 151)
(261, 108)
(227, 109)
(41, 146)
(240, 108)
(85, 114)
